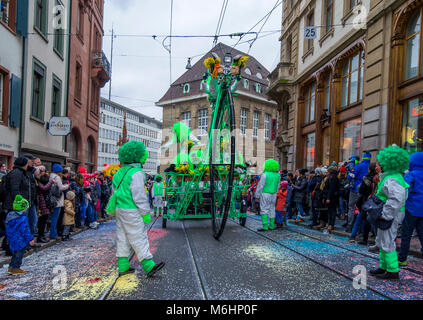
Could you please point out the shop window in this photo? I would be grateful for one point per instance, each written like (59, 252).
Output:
(414, 47)
(310, 103)
(310, 147)
(73, 147)
(350, 139)
(352, 79)
(413, 125)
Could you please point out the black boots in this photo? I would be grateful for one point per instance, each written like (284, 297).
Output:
(376, 272)
(156, 268)
(130, 270)
(388, 276)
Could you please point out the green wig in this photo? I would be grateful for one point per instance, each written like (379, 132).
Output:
(271, 166)
(158, 178)
(182, 131)
(394, 159)
(133, 152)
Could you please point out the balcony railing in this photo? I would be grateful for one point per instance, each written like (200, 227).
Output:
(283, 73)
(100, 61)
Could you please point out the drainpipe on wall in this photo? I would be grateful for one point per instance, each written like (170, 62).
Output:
(64, 141)
(23, 92)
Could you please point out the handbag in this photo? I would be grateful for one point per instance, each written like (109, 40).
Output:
(374, 208)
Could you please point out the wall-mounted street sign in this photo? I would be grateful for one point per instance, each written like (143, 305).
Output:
(310, 32)
(59, 126)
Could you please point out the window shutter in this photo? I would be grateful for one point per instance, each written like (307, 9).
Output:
(22, 18)
(15, 102)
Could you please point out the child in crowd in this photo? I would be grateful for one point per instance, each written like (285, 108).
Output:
(69, 217)
(18, 234)
(280, 205)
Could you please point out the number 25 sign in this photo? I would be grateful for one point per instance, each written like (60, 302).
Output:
(310, 32)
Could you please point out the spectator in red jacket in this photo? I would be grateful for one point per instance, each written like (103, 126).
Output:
(280, 205)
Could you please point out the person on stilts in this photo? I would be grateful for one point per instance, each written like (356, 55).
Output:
(266, 193)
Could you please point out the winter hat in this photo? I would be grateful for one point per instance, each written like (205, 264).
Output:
(20, 204)
(302, 171)
(57, 168)
(21, 161)
(70, 195)
(324, 170)
(343, 168)
(367, 155)
(284, 184)
(158, 178)
(82, 170)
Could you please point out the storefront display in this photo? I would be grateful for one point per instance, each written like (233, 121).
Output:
(413, 125)
(350, 139)
(310, 150)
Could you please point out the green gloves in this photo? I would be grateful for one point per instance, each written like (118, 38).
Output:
(146, 218)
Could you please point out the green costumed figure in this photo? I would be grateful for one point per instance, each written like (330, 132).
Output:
(266, 193)
(158, 194)
(392, 190)
(130, 204)
(184, 138)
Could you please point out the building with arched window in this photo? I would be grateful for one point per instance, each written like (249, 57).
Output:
(352, 88)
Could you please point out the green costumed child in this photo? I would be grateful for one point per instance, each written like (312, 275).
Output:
(158, 194)
(393, 161)
(266, 193)
(130, 204)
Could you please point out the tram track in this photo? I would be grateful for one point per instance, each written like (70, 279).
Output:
(420, 273)
(311, 259)
(109, 289)
(194, 255)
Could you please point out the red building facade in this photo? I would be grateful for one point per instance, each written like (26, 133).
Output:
(89, 71)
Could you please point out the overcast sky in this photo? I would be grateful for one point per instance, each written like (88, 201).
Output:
(141, 65)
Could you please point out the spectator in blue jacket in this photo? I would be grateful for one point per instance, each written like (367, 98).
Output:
(18, 234)
(356, 177)
(413, 207)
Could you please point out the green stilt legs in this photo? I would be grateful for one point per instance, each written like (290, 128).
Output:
(272, 224)
(265, 222)
(123, 264)
(389, 261)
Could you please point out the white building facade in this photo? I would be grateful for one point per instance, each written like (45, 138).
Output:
(11, 48)
(45, 78)
(139, 127)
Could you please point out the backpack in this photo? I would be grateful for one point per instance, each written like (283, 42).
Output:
(55, 192)
(51, 200)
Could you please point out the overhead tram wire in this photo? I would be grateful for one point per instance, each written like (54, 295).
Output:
(277, 4)
(220, 21)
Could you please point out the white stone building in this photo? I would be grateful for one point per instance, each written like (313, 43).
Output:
(11, 46)
(139, 128)
(45, 78)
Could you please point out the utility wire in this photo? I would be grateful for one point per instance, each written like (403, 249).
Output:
(220, 21)
(266, 16)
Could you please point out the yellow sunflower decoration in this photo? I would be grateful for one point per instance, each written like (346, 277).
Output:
(241, 61)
